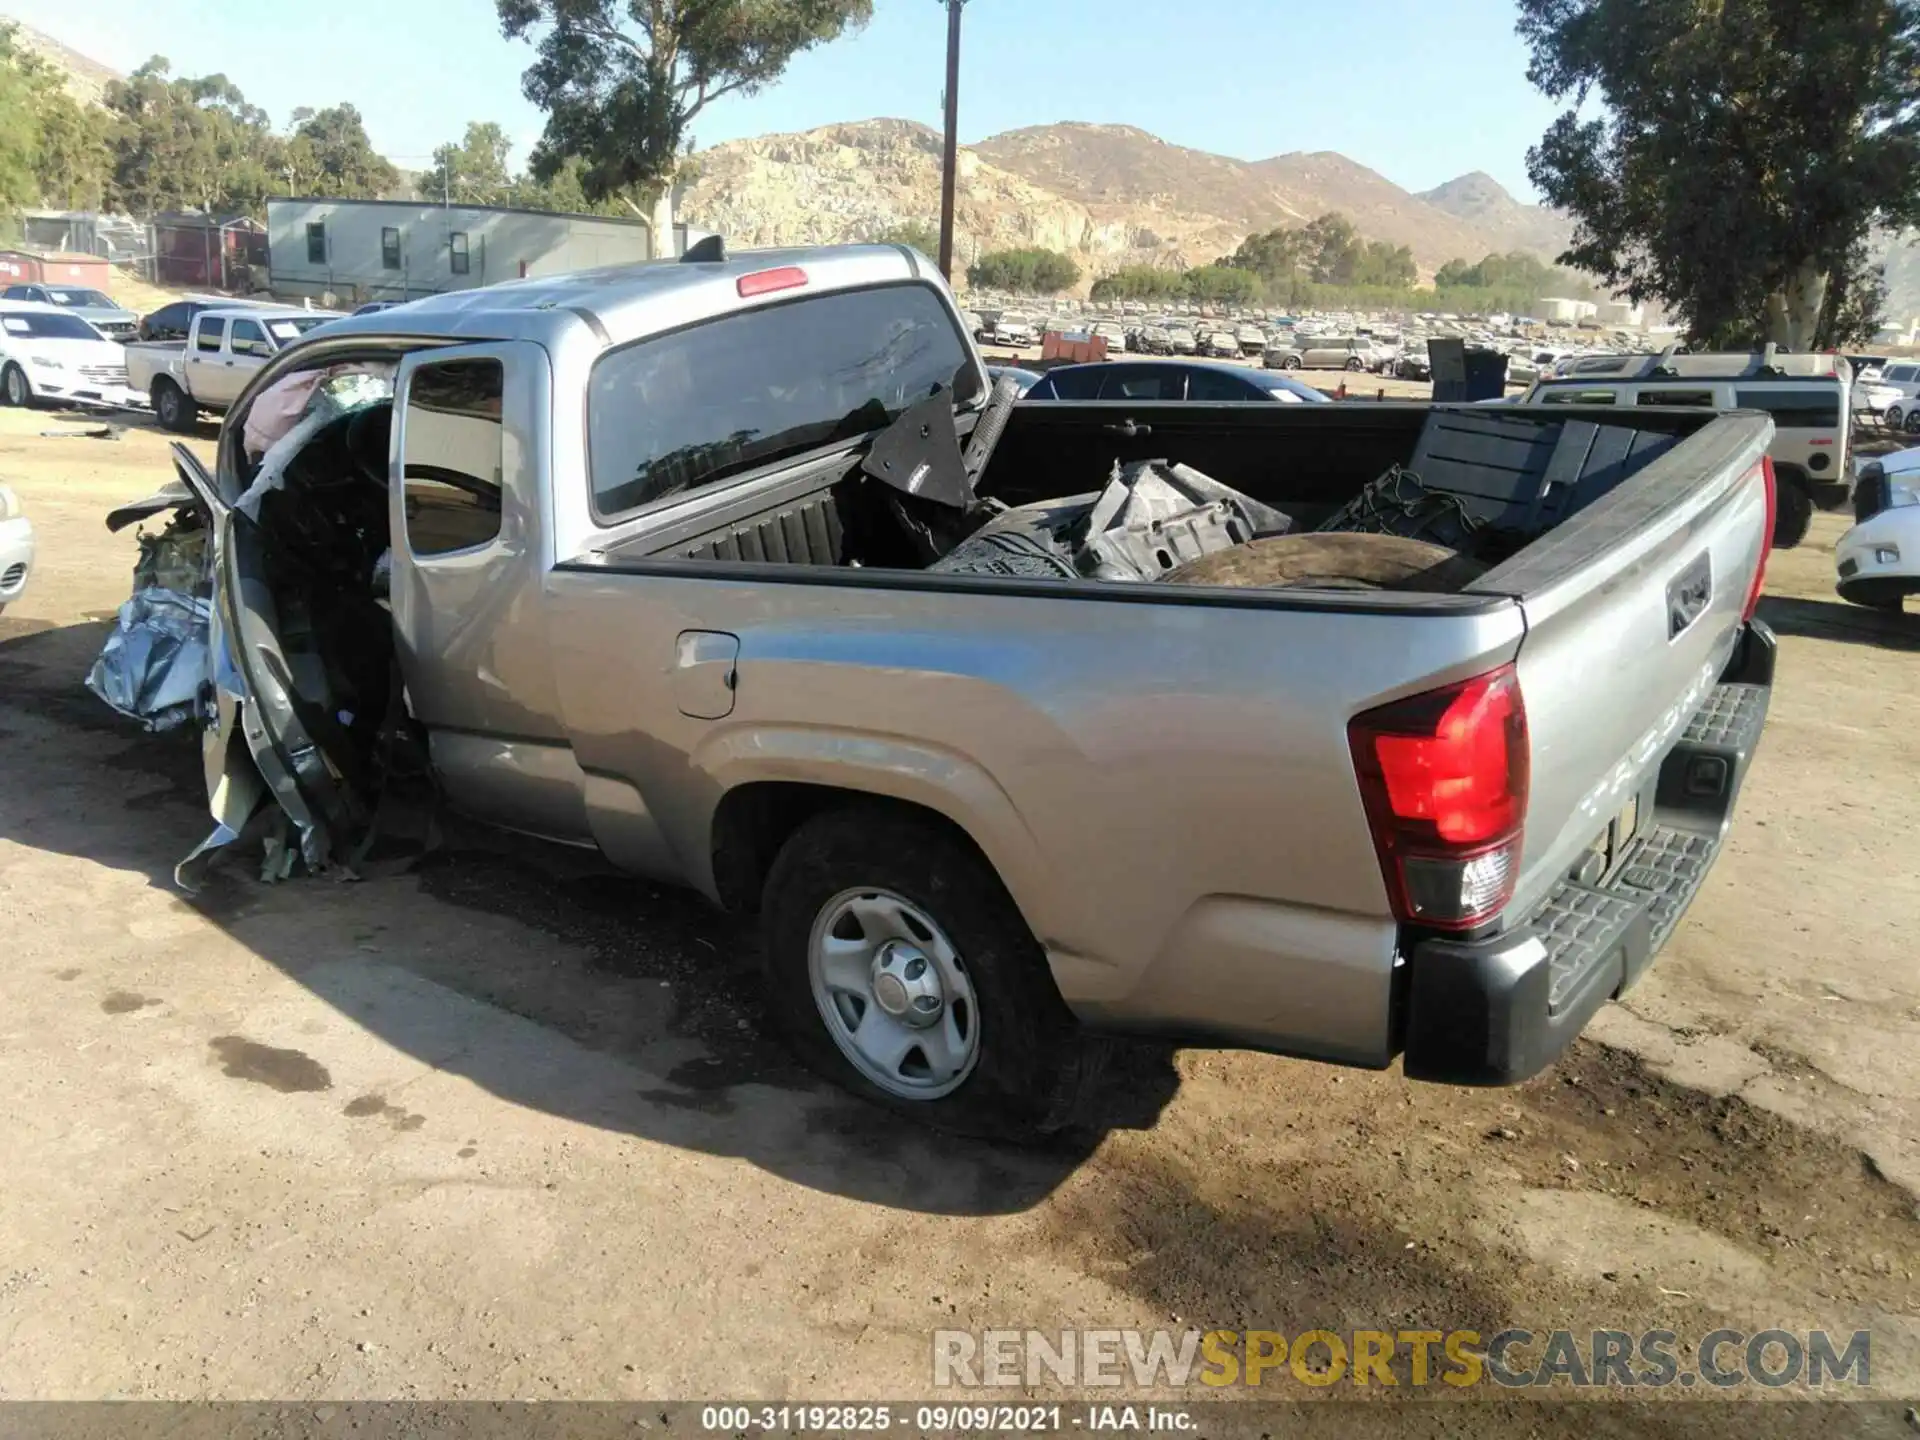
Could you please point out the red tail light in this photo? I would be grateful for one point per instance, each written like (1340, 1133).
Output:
(761, 282)
(1444, 778)
(1766, 539)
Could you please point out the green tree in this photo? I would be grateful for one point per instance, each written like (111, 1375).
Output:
(474, 172)
(19, 131)
(1221, 284)
(181, 142)
(1023, 272)
(52, 150)
(329, 154)
(1740, 151)
(563, 192)
(1333, 249)
(1139, 282)
(922, 235)
(622, 80)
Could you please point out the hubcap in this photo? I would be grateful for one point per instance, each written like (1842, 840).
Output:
(894, 993)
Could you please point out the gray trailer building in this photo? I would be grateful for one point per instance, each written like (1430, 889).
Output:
(361, 250)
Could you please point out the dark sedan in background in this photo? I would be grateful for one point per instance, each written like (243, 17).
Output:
(1157, 380)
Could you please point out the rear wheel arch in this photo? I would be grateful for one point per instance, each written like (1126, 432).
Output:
(752, 822)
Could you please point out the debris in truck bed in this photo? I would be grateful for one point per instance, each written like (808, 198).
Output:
(1401, 503)
(1151, 518)
(1154, 517)
(1339, 561)
(1030, 542)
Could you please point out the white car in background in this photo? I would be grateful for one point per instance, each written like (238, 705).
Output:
(1877, 562)
(50, 354)
(16, 547)
(1894, 395)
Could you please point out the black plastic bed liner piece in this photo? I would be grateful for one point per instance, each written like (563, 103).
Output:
(1505, 474)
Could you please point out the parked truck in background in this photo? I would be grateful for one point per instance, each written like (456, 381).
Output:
(209, 369)
(655, 567)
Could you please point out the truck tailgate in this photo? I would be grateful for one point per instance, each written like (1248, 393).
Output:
(1644, 691)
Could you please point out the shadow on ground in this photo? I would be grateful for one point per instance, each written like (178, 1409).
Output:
(1837, 620)
(656, 994)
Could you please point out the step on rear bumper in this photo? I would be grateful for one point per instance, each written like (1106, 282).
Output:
(1493, 1012)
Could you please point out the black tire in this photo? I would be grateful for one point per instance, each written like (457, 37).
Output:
(1792, 511)
(1033, 1060)
(14, 389)
(1292, 362)
(1355, 365)
(1910, 422)
(171, 406)
(1892, 417)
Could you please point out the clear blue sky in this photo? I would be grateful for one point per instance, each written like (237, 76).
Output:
(1420, 90)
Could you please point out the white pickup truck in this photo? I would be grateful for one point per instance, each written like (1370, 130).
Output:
(209, 369)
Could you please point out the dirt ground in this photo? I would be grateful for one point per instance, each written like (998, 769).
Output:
(508, 1126)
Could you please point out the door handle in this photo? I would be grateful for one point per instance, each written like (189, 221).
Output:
(1129, 428)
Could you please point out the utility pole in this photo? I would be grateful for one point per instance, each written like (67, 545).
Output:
(950, 158)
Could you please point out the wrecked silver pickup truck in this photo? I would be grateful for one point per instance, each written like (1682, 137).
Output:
(1344, 731)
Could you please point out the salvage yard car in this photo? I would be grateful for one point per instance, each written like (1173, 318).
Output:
(16, 547)
(1877, 561)
(48, 354)
(209, 369)
(1195, 380)
(1350, 732)
(93, 306)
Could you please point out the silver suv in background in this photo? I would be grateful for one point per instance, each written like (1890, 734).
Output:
(1322, 352)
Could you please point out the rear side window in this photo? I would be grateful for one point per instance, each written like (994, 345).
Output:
(211, 332)
(1144, 382)
(1573, 395)
(675, 413)
(452, 461)
(1212, 385)
(1069, 385)
(1808, 407)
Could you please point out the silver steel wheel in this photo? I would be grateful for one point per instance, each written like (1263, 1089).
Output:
(16, 382)
(894, 994)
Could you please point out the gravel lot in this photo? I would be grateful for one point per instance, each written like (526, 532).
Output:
(508, 1126)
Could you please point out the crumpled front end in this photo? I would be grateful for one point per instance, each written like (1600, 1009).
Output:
(260, 615)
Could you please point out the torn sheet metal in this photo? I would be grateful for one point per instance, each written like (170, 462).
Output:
(156, 666)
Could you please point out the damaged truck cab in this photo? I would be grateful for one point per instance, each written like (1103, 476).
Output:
(1351, 732)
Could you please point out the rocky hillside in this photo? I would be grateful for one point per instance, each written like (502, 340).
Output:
(1479, 200)
(855, 181)
(1109, 195)
(87, 80)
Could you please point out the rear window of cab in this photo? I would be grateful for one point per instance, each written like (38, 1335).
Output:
(675, 413)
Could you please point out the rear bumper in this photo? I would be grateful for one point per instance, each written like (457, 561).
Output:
(1495, 1011)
